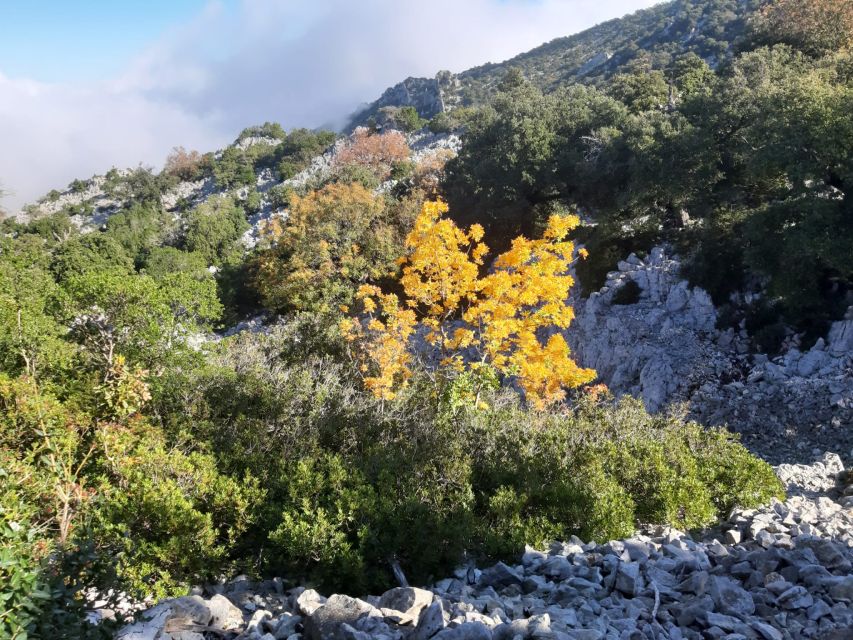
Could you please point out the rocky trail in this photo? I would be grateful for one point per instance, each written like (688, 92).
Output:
(784, 571)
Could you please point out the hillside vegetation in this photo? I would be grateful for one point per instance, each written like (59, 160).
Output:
(403, 407)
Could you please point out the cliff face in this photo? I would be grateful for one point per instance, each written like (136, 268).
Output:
(430, 96)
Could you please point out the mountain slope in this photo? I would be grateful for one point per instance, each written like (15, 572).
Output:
(651, 38)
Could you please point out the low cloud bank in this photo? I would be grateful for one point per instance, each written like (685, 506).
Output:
(298, 63)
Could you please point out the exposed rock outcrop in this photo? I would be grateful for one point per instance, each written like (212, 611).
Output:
(429, 96)
(649, 334)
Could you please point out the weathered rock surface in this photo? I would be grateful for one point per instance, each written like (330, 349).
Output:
(782, 572)
(663, 346)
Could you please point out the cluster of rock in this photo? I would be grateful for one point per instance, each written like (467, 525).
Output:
(94, 195)
(781, 572)
(659, 342)
(429, 96)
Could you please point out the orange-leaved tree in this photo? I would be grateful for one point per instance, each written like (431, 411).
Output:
(378, 151)
(495, 320)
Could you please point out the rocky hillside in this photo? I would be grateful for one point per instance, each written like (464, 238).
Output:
(648, 39)
(781, 572)
(650, 334)
(294, 360)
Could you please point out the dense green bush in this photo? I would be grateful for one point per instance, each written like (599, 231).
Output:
(20, 566)
(138, 229)
(746, 170)
(55, 228)
(91, 252)
(176, 516)
(233, 169)
(349, 478)
(164, 261)
(440, 123)
(214, 228)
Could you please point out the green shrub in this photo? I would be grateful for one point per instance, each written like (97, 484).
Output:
(358, 476)
(171, 516)
(91, 252)
(354, 173)
(323, 522)
(78, 186)
(139, 228)
(23, 589)
(252, 204)
(165, 261)
(402, 170)
(408, 119)
(55, 228)
(441, 123)
(142, 187)
(280, 196)
(214, 228)
(233, 169)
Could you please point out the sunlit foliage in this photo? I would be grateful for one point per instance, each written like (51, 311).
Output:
(502, 313)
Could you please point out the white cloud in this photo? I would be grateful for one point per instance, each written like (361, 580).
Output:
(299, 63)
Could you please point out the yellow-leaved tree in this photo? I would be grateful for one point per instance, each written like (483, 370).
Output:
(497, 320)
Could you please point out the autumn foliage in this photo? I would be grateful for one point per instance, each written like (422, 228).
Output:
(183, 164)
(428, 172)
(817, 26)
(332, 240)
(498, 317)
(378, 151)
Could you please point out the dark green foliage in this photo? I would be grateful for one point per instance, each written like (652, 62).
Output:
(55, 228)
(78, 186)
(233, 169)
(177, 515)
(349, 480)
(299, 148)
(112, 180)
(252, 203)
(144, 188)
(441, 123)
(747, 171)
(213, 230)
(279, 196)
(644, 91)
(139, 229)
(91, 252)
(407, 119)
(355, 174)
(164, 261)
(402, 170)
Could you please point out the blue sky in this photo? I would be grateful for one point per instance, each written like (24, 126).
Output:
(74, 40)
(86, 85)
